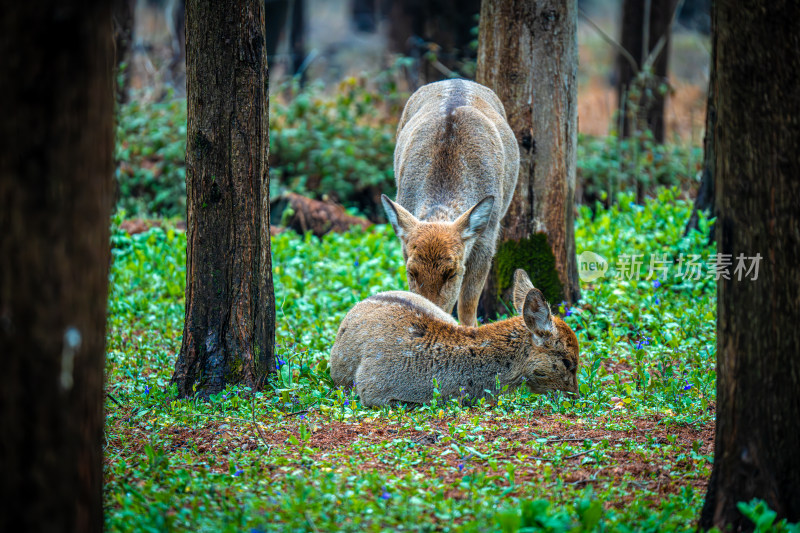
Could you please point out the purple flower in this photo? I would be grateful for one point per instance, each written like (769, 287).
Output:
(639, 345)
(688, 386)
(658, 300)
(146, 390)
(356, 263)
(281, 362)
(302, 417)
(238, 473)
(656, 284)
(569, 311)
(346, 403)
(460, 467)
(385, 495)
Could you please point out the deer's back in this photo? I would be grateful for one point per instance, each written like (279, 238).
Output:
(454, 148)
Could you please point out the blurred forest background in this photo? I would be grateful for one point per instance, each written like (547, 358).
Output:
(340, 71)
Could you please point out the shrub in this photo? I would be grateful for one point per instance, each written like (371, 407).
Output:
(150, 154)
(609, 165)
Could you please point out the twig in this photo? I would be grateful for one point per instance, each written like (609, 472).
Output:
(257, 426)
(443, 69)
(610, 40)
(111, 397)
(302, 412)
(578, 454)
(662, 41)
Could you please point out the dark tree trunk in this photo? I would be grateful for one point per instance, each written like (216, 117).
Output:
(55, 204)
(651, 108)
(706, 194)
(275, 17)
(177, 19)
(229, 333)
(123, 17)
(529, 56)
(446, 23)
(365, 15)
(298, 39)
(757, 197)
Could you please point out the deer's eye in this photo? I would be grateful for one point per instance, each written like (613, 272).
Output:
(448, 275)
(567, 364)
(412, 275)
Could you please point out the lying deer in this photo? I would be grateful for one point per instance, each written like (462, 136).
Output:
(456, 164)
(393, 345)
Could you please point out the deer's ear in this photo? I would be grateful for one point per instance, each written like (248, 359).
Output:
(536, 313)
(522, 284)
(401, 220)
(472, 223)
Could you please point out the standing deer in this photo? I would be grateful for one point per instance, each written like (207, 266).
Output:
(456, 164)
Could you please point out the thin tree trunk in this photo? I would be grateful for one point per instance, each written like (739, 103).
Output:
(275, 18)
(529, 56)
(230, 308)
(123, 16)
(445, 23)
(298, 39)
(706, 195)
(55, 203)
(634, 27)
(757, 197)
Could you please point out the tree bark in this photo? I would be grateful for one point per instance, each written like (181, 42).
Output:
(230, 305)
(651, 102)
(757, 197)
(529, 56)
(57, 104)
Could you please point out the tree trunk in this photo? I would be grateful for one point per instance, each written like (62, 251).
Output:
(55, 205)
(445, 23)
(298, 39)
(365, 15)
(275, 18)
(758, 194)
(650, 103)
(705, 195)
(529, 56)
(123, 17)
(229, 332)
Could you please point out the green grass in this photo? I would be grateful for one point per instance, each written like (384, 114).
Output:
(633, 454)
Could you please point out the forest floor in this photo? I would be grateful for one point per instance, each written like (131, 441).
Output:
(632, 454)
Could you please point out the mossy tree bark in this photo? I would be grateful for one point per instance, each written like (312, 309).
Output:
(529, 56)
(229, 332)
(55, 203)
(757, 198)
(636, 27)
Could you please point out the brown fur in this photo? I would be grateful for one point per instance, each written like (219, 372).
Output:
(456, 164)
(391, 347)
